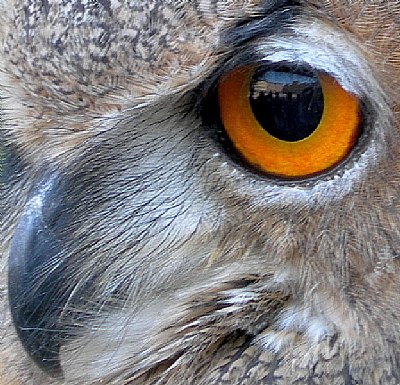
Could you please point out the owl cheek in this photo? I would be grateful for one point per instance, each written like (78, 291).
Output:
(36, 294)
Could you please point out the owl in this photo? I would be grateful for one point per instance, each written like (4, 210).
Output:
(199, 192)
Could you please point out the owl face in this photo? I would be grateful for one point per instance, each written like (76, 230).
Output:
(199, 192)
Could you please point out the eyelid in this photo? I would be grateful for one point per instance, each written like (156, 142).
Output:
(323, 47)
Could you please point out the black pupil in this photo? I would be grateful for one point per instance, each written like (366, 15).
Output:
(288, 105)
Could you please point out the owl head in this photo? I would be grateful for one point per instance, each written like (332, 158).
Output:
(199, 192)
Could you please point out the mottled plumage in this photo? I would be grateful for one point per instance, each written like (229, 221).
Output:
(136, 249)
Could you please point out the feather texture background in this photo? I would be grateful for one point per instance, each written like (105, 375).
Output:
(136, 250)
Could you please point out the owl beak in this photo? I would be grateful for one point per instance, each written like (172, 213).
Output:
(34, 290)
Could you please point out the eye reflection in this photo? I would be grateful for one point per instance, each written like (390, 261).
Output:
(287, 105)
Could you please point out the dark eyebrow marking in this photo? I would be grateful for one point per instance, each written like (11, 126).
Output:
(238, 44)
(273, 16)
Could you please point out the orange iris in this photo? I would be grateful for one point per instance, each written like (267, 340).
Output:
(326, 146)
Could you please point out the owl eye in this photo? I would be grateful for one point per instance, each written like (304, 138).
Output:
(289, 123)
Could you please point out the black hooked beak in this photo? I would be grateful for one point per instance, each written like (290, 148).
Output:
(35, 282)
